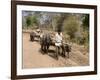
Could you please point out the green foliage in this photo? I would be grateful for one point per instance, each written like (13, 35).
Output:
(28, 21)
(85, 32)
(34, 20)
(85, 21)
(31, 21)
(71, 26)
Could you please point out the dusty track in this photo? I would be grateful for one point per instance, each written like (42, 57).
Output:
(33, 58)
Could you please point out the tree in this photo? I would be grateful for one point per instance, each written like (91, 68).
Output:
(71, 26)
(59, 26)
(34, 20)
(85, 21)
(28, 21)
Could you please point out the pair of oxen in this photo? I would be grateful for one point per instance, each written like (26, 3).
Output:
(46, 41)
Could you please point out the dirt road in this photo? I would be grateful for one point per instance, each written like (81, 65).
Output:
(33, 58)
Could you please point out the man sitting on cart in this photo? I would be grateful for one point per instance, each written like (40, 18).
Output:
(59, 43)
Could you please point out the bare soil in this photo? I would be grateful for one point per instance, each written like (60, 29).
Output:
(33, 58)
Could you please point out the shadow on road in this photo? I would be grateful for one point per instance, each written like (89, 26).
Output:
(51, 53)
